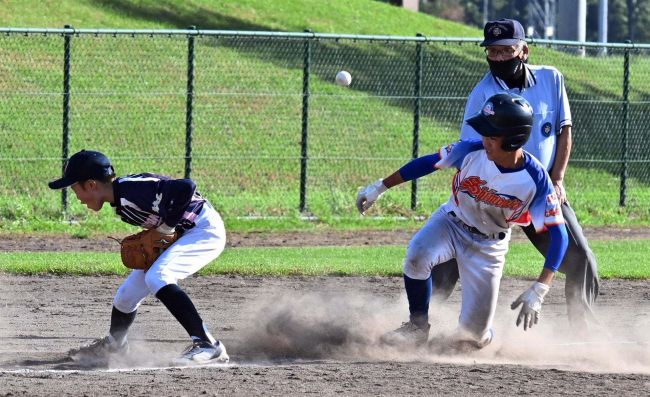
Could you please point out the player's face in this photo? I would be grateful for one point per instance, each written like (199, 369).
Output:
(89, 194)
(492, 145)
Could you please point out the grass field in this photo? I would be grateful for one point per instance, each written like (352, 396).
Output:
(128, 100)
(617, 259)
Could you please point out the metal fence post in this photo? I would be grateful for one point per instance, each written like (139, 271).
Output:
(305, 122)
(626, 126)
(417, 93)
(189, 104)
(65, 142)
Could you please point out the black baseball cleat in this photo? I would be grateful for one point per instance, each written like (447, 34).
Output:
(408, 334)
(203, 352)
(99, 350)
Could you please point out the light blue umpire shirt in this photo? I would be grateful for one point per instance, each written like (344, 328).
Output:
(544, 90)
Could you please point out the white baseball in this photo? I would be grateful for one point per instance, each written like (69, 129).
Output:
(343, 78)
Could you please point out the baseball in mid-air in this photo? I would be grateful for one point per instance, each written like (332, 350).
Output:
(343, 78)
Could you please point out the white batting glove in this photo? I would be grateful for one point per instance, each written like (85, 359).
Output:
(531, 301)
(367, 197)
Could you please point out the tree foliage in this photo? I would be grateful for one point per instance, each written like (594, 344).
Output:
(627, 19)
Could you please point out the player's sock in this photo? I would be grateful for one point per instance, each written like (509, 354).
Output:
(120, 323)
(181, 307)
(419, 294)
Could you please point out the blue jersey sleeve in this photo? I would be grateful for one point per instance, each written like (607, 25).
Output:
(419, 167)
(448, 156)
(452, 156)
(557, 248)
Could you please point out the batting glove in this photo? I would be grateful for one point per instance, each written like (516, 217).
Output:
(367, 197)
(531, 301)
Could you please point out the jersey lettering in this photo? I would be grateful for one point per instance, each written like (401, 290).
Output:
(492, 199)
(156, 202)
(474, 187)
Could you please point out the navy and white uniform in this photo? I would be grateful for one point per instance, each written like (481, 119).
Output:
(473, 226)
(150, 200)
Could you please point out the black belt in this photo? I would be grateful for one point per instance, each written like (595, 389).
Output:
(473, 230)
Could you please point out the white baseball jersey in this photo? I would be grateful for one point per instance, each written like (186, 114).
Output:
(544, 90)
(493, 199)
(490, 199)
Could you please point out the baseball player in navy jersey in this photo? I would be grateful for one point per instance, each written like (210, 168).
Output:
(550, 143)
(167, 205)
(497, 185)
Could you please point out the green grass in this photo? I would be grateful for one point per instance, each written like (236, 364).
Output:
(128, 101)
(622, 259)
(340, 16)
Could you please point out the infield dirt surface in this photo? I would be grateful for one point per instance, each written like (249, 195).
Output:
(312, 335)
(63, 242)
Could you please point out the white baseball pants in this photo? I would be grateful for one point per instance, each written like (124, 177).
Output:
(189, 254)
(480, 264)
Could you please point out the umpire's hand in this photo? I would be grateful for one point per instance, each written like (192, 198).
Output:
(531, 301)
(367, 197)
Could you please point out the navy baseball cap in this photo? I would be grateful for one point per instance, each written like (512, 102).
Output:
(503, 32)
(82, 166)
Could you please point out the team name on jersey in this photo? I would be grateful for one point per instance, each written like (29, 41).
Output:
(475, 187)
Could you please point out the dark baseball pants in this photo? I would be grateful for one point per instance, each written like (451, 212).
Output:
(579, 266)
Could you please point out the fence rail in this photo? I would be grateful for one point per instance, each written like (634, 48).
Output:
(256, 119)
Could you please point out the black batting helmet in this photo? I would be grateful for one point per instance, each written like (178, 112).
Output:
(506, 115)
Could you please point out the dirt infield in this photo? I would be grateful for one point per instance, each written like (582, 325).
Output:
(289, 336)
(62, 242)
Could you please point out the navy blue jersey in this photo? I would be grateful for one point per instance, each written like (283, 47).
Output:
(149, 200)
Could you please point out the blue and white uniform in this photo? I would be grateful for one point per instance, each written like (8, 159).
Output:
(149, 201)
(548, 100)
(474, 225)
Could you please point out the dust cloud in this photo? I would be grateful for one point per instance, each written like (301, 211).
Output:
(348, 326)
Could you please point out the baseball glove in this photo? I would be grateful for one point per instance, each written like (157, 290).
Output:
(140, 250)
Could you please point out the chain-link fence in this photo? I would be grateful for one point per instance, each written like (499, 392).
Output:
(256, 119)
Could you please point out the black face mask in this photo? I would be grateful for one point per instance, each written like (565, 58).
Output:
(509, 70)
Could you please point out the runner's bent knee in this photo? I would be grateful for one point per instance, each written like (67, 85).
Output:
(417, 264)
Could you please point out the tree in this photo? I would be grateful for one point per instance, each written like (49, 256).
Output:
(627, 19)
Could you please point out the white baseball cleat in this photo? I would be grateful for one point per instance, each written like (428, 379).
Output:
(203, 352)
(459, 342)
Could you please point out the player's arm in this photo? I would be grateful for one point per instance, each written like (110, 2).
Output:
(556, 250)
(562, 153)
(531, 300)
(414, 169)
(176, 195)
(564, 139)
(555, 254)
(449, 156)
(545, 211)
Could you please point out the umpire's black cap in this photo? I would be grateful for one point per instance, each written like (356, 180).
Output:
(84, 165)
(503, 32)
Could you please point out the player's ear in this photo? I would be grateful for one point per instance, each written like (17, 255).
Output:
(90, 184)
(524, 53)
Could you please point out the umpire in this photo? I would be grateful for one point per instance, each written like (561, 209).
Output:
(543, 86)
